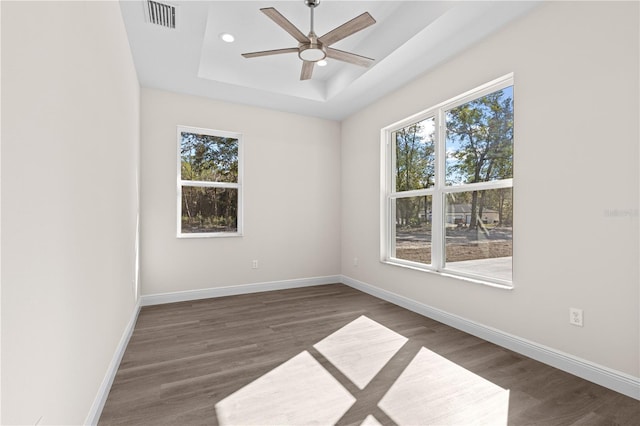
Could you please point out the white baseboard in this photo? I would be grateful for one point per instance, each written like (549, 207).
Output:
(105, 386)
(182, 296)
(609, 378)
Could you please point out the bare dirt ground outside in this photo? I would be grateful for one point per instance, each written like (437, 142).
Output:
(461, 244)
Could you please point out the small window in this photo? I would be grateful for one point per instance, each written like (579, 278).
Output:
(449, 187)
(209, 183)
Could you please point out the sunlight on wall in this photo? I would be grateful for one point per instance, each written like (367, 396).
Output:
(430, 390)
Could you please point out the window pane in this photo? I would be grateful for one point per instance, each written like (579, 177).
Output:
(208, 158)
(413, 229)
(479, 232)
(479, 142)
(209, 209)
(415, 159)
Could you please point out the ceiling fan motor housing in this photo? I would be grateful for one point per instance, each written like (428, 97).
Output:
(313, 51)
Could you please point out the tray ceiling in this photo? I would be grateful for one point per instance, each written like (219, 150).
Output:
(408, 39)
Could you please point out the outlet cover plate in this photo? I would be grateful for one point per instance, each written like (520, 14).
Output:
(575, 317)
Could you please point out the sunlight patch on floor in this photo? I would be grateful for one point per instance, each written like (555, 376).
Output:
(430, 390)
(434, 390)
(300, 391)
(361, 349)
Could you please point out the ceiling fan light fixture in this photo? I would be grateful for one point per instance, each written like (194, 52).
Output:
(312, 54)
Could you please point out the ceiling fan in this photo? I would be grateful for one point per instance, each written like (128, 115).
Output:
(312, 48)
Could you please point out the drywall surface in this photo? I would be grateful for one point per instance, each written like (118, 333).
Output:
(291, 187)
(576, 187)
(70, 140)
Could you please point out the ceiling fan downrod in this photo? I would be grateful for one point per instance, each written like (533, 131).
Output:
(312, 4)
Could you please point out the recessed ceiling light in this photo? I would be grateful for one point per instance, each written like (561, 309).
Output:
(227, 37)
(322, 63)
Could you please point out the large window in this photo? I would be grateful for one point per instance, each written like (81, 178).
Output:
(448, 187)
(209, 183)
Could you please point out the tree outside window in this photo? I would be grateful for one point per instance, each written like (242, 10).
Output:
(450, 186)
(209, 182)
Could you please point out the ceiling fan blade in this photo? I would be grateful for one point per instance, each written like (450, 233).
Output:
(270, 52)
(351, 58)
(285, 24)
(307, 70)
(345, 30)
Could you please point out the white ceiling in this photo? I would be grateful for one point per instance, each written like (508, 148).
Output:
(408, 39)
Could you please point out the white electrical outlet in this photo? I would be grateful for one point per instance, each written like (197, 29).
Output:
(254, 264)
(575, 317)
(355, 261)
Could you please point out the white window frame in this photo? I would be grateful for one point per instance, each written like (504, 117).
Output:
(438, 192)
(235, 185)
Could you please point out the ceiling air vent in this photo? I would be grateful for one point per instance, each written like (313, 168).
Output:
(162, 14)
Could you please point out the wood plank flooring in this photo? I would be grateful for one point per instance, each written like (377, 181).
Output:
(333, 355)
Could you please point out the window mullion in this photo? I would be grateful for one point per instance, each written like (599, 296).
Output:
(437, 228)
(480, 186)
(231, 185)
(391, 247)
(388, 165)
(414, 193)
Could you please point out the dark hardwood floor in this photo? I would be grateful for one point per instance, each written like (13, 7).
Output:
(267, 358)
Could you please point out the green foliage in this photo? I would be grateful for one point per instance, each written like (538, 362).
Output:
(208, 158)
(480, 148)
(415, 156)
(415, 169)
(206, 209)
(480, 139)
(201, 223)
(413, 212)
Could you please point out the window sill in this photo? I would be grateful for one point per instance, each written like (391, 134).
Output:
(210, 235)
(504, 285)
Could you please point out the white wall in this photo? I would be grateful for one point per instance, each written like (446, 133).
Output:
(576, 162)
(70, 131)
(70, 140)
(291, 197)
(0, 220)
